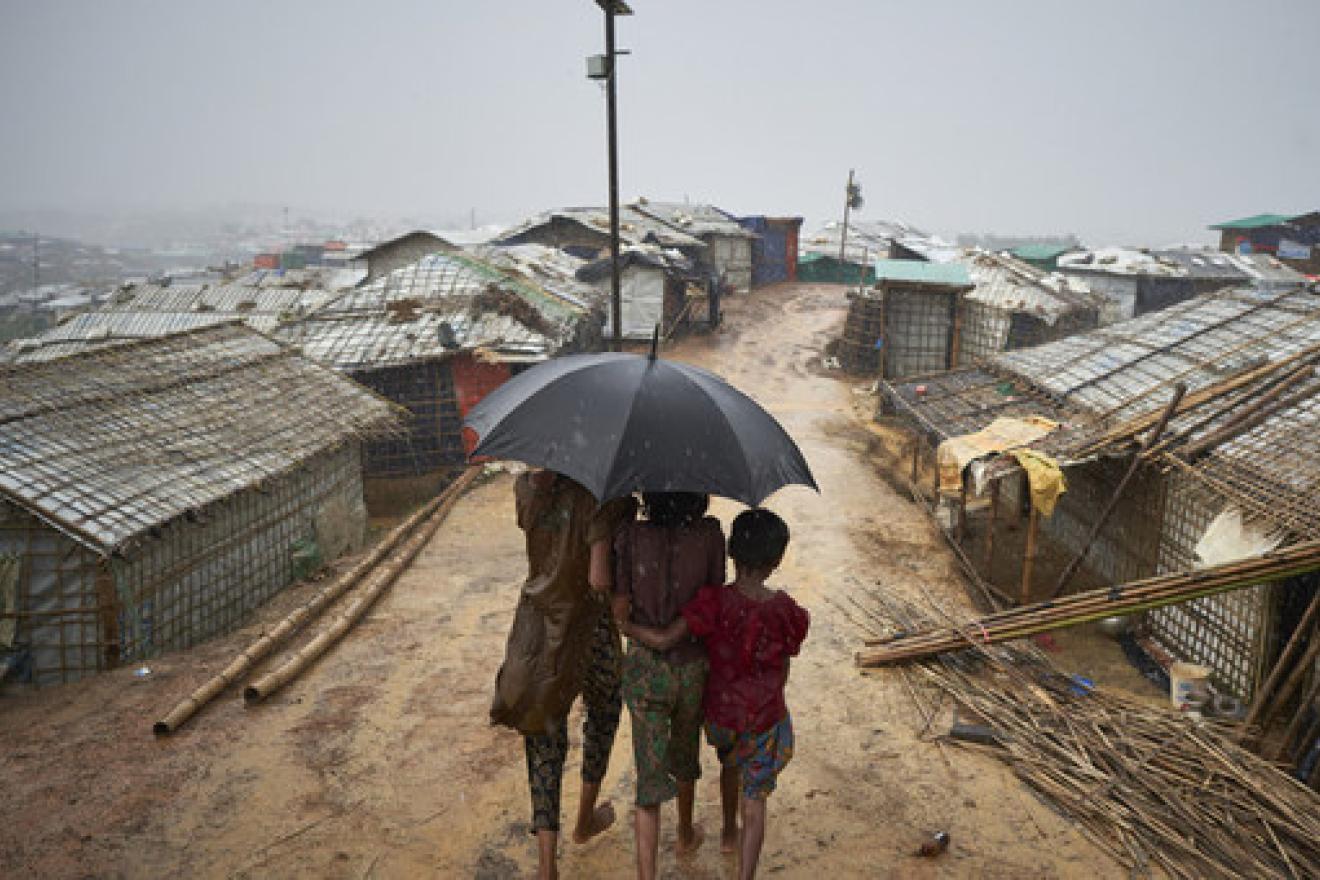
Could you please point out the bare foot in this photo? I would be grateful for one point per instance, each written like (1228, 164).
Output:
(686, 845)
(601, 818)
(729, 841)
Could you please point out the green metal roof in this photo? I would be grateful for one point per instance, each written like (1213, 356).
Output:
(921, 272)
(1041, 251)
(1256, 221)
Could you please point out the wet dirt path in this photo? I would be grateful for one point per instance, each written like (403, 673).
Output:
(380, 762)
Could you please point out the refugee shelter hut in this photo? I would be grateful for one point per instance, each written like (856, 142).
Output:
(154, 493)
(1135, 282)
(1015, 305)
(1293, 239)
(826, 256)
(1237, 466)
(775, 248)
(585, 232)
(657, 288)
(148, 311)
(909, 323)
(435, 337)
(728, 254)
(1209, 270)
(818, 268)
(384, 258)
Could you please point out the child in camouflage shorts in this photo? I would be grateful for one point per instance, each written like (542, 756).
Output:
(750, 632)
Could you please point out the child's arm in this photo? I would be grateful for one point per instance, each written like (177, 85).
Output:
(655, 638)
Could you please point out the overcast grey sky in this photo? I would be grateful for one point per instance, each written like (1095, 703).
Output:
(1138, 121)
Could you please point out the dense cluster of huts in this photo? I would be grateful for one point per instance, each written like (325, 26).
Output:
(1028, 392)
(172, 459)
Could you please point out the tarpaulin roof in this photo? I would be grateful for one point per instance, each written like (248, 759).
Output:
(1255, 221)
(921, 272)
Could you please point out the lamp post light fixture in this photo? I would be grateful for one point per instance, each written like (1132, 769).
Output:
(602, 67)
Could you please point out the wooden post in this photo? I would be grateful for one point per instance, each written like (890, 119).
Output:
(989, 554)
(916, 460)
(1029, 556)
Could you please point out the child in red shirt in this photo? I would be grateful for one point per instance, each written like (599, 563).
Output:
(750, 632)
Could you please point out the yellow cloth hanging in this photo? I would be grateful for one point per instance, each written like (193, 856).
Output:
(1044, 476)
(954, 454)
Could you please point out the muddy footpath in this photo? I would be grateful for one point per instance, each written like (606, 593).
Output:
(379, 762)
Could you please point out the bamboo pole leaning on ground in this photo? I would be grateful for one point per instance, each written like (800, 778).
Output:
(1080, 608)
(383, 578)
(254, 652)
(1178, 391)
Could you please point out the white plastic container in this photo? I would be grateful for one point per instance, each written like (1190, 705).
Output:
(1188, 683)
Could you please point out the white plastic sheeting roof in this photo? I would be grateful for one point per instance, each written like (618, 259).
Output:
(1012, 285)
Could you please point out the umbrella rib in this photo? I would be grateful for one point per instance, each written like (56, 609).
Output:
(728, 424)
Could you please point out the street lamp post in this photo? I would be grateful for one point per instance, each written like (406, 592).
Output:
(611, 8)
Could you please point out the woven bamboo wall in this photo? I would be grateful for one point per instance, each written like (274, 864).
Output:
(1231, 633)
(196, 578)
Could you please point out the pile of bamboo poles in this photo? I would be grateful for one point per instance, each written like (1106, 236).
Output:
(1081, 608)
(404, 542)
(1157, 790)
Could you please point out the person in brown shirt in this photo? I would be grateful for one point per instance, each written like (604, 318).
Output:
(660, 564)
(563, 642)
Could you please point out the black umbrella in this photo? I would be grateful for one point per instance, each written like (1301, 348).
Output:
(621, 423)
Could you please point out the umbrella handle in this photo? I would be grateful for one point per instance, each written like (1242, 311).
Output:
(655, 341)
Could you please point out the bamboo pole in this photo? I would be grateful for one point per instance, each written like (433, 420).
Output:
(384, 577)
(988, 555)
(1029, 554)
(249, 657)
(1282, 665)
(1284, 747)
(1178, 391)
(1294, 679)
(1124, 599)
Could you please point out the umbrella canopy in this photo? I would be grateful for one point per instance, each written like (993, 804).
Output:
(622, 423)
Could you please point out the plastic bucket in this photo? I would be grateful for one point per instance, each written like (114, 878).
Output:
(1187, 684)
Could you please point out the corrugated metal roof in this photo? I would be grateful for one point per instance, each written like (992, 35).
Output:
(107, 445)
(920, 272)
(1012, 285)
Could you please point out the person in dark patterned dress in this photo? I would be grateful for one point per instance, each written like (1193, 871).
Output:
(563, 642)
